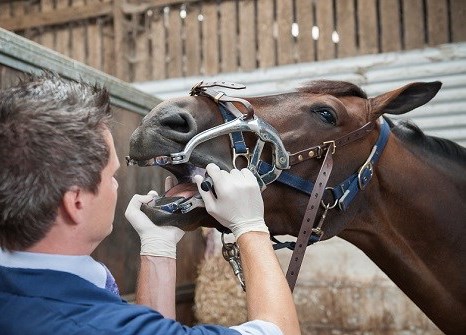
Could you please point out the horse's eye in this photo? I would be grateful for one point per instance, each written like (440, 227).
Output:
(327, 116)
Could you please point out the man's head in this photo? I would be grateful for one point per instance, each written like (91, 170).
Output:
(54, 139)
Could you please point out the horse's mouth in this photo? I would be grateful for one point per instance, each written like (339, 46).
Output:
(184, 195)
(181, 205)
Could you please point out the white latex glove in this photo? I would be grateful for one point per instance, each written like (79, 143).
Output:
(238, 205)
(155, 240)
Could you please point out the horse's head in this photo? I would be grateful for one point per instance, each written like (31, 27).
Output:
(309, 118)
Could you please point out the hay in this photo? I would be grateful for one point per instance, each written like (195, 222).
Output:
(219, 298)
(328, 302)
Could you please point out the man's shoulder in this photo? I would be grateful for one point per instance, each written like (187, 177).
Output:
(75, 306)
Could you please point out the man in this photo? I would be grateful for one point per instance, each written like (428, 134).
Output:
(57, 199)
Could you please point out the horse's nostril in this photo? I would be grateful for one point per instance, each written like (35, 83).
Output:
(176, 122)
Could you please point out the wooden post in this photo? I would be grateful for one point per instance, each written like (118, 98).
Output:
(121, 64)
(305, 20)
(265, 33)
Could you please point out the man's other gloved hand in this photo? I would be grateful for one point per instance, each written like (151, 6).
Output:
(155, 240)
(238, 205)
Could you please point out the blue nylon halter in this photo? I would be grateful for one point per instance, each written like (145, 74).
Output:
(237, 139)
(344, 192)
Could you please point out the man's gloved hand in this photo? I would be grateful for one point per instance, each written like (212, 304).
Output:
(155, 240)
(238, 205)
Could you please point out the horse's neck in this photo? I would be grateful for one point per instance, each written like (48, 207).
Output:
(415, 215)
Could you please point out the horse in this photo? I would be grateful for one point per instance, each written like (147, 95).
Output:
(394, 192)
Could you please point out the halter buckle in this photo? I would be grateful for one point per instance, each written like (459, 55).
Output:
(365, 174)
(329, 143)
(366, 171)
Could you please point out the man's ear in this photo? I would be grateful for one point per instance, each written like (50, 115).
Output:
(73, 205)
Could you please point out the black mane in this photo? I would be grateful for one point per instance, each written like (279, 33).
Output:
(406, 130)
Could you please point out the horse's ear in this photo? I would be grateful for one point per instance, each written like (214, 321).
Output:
(403, 99)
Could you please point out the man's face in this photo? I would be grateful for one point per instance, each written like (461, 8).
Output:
(102, 208)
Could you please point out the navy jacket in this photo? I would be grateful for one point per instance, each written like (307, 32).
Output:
(53, 302)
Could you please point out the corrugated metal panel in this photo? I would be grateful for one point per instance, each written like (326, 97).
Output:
(444, 116)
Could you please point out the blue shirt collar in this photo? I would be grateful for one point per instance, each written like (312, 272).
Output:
(83, 266)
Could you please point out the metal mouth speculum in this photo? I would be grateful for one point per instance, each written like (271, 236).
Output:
(263, 130)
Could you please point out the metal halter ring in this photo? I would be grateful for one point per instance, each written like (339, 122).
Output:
(328, 206)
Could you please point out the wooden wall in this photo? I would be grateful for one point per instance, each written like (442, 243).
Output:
(158, 39)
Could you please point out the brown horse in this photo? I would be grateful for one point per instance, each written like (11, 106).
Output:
(407, 211)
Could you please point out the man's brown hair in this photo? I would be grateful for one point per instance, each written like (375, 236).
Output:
(51, 138)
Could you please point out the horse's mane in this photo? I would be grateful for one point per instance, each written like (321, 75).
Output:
(408, 131)
(335, 88)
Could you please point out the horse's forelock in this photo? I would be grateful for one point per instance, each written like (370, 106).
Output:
(335, 88)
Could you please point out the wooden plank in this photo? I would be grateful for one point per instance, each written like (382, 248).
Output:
(265, 34)
(458, 14)
(78, 36)
(193, 40)
(158, 45)
(247, 35)
(63, 14)
(141, 57)
(20, 53)
(324, 20)
(346, 28)
(4, 15)
(368, 30)
(17, 11)
(138, 6)
(94, 37)
(62, 32)
(413, 24)
(4, 12)
(175, 66)
(437, 22)
(108, 57)
(305, 21)
(228, 37)
(285, 41)
(121, 63)
(33, 8)
(211, 63)
(48, 37)
(390, 25)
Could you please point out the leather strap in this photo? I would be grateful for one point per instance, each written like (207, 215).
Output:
(309, 218)
(317, 151)
(205, 89)
(225, 84)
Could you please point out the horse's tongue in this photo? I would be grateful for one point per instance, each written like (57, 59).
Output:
(185, 190)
